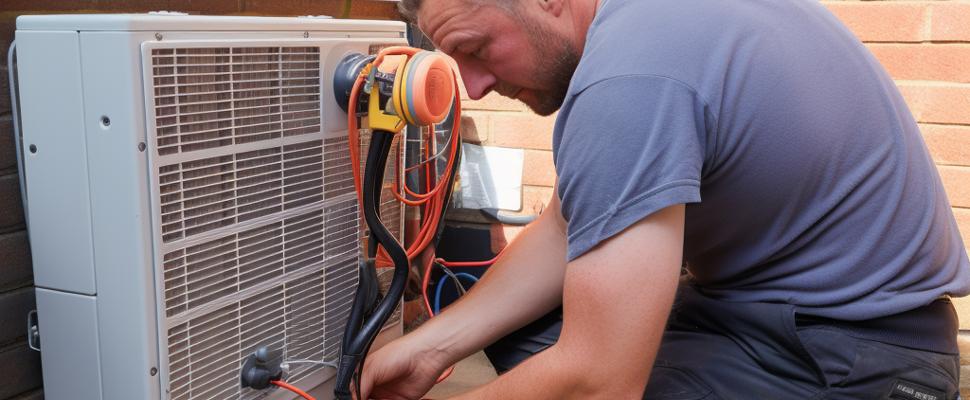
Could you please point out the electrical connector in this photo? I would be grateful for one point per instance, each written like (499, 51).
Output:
(261, 368)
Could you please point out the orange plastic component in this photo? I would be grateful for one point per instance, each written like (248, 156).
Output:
(431, 88)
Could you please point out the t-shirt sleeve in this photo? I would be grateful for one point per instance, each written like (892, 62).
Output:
(628, 147)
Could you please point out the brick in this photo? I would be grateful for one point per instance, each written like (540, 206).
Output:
(928, 62)
(7, 26)
(11, 209)
(5, 102)
(534, 199)
(883, 21)
(293, 7)
(363, 9)
(963, 223)
(962, 305)
(60, 6)
(19, 370)
(14, 307)
(474, 127)
(956, 181)
(949, 21)
(501, 235)
(537, 168)
(8, 157)
(963, 344)
(935, 102)
(493, 102)
(949, 144)
(521, 130)
(32, 395)
(16, 267)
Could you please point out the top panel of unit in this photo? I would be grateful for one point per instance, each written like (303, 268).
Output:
(179, 22)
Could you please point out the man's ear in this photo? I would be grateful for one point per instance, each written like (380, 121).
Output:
(553, 7)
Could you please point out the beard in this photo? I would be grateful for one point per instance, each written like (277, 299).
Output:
(557, 61)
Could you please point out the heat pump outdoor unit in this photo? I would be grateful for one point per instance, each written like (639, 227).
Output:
(189, 198)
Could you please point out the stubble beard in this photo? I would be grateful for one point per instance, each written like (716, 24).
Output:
(557, 64)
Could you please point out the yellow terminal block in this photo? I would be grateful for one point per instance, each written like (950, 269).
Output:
(379, 120)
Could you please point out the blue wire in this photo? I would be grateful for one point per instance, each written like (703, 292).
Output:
(441, 284)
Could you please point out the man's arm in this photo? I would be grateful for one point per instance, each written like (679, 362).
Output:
(615, 303)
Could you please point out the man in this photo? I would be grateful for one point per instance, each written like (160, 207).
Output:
(758, 142)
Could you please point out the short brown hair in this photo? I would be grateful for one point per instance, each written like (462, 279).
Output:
(409, 10)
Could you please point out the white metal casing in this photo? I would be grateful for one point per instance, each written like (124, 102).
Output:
(93, 168)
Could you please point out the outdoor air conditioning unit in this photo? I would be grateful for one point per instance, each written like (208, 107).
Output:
(189, 198)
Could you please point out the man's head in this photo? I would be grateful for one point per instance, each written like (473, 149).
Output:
(523, 49)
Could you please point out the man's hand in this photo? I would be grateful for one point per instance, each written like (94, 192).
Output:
(404, 369)
(524, 284)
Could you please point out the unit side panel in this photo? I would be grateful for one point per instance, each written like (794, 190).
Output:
(56, 160)
(118, 168)
(69, 336)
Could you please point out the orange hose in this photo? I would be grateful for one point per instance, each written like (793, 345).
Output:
(467, 264)
(432, 200)
(293, 389)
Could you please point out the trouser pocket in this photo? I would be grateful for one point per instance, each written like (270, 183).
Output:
(669, 383)
(865, 369)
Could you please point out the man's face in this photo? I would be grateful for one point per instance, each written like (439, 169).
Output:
(519, 56)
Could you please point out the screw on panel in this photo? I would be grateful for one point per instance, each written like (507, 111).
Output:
(33, 149)
(141, 146)
(153, 371)
(306, 34)
(105, 121)
(158, 36)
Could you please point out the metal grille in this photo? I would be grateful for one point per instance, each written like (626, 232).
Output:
(214, 97)
(205, 352)
(336, 162)
(287, 284)
(258, 215)
(201, 195)
(198, 275)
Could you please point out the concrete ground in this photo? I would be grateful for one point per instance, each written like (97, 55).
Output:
(469, 373)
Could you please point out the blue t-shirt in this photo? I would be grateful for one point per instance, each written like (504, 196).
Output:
(805, 176)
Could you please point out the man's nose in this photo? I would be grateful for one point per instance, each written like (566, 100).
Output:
(478, 80)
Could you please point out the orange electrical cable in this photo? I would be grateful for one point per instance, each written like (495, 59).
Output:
(466, 264)
(293, 389)
(432, 200)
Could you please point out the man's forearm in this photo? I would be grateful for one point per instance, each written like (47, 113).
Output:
(551, 374)
(616, 298)
(522, 286)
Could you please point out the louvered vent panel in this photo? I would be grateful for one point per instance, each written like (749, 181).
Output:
(341, 282)
(211, 193)
(336, 166)
(257, 214)
(212, 97)
(205, 352)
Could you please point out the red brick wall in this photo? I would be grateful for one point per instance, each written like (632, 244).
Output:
(20, 376)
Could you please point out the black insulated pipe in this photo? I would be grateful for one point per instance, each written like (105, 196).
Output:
(358, 338)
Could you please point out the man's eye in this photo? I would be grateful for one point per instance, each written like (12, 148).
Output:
(479, 53)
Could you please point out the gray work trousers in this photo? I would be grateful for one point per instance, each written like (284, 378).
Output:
(713, 349)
